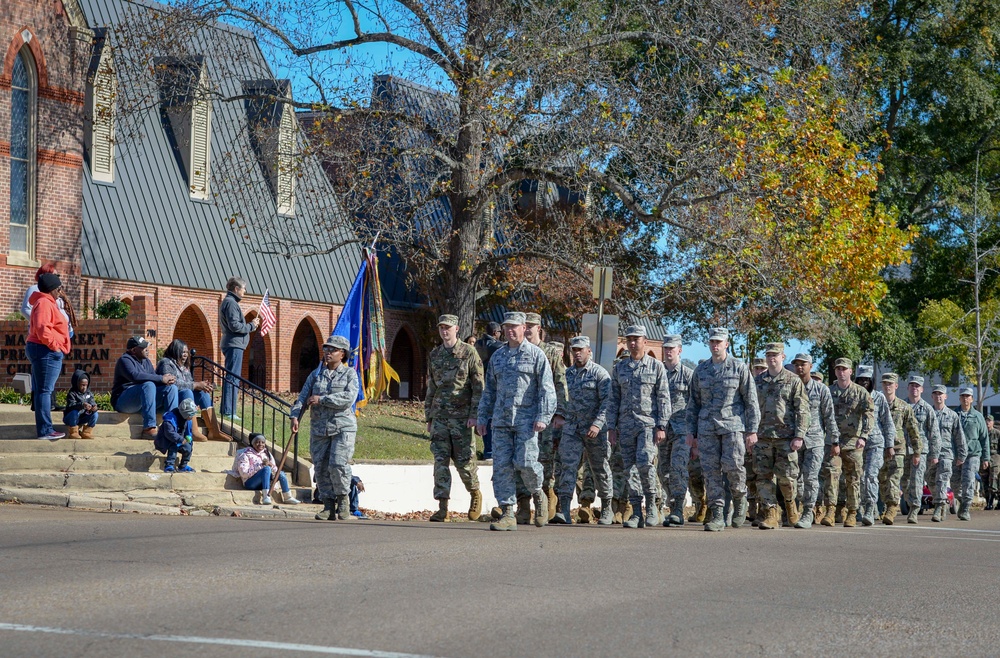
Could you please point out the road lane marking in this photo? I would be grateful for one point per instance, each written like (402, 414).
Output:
(232, 642)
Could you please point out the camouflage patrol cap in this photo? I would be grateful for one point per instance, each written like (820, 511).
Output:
(803, 357)
(718, 333)
(890, 377)
(774, 348)
(513, 317)
(673, 340)
(532, 318)
(817, 376)
(758, 363)
(337, 343)
(865, 372)
(965, 390)
(917, 379)
(635, 330)
(940, 388)
(556, 344)
(579, 341)
(448, 320)
(989, 417)
(843, 362)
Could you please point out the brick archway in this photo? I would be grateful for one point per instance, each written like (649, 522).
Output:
(192, 327)
(403, 359)
(255, 360)
(305, 353)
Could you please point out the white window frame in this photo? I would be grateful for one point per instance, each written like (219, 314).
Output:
(27, 257)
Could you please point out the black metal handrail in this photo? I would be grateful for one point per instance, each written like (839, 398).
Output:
(258, 401)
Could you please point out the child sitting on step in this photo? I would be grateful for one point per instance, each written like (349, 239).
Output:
(174, 436)
(255, 466)
(80, 415)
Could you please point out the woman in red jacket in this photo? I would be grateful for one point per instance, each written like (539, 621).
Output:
(48, 341)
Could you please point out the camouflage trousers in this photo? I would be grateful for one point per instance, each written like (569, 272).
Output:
(873, 457)
(331, 457)
(888, 479)
(622, 481)
(722, 453)
(774, 459)
(548, 457)
(639, 452)
(994, 476)
(696, 480)
(810, 461)
(452, 441)
(967, 488)
(752, 491)
(585, 485)
(852, 462)
(940, 475)
(576, 448)
(672, 465)
(830, 475)
(913, 480)
(515, 452)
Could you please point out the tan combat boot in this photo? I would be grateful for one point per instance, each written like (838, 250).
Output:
(506, 520)
(585, 513)
(73, 432)
(819, 511)
(840, 515)
(770, 518)
(476, 505)
(889, 517)
(523, 515)
(626, 511)
(496, 513)
(851, 519)
(442, 514)
(698, 515)
(828, 517)
(553, 503)
(616, 505)
(87, 432)
(792, 510)
(541, 508)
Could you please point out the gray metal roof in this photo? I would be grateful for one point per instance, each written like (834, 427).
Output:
(145, 227)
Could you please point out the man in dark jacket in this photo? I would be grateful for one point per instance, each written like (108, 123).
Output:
(137, 387)
(235, 337)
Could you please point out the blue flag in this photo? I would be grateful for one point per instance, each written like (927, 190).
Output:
(351, 325)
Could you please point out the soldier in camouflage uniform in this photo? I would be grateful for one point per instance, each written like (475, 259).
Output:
(638, 417)
(521, 399)
(882, 438)
(674, 453)
(906, 445)
(583, 430)
(978, 444)
(930, 439)
(723, 414)
(330, 392)
(822, 431)
(755, 511)
(993, 480)
(454, 387)
(855, 413)
(784, 421)
(951, 450)
(548, 440)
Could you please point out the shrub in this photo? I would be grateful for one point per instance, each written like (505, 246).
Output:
(112, 309)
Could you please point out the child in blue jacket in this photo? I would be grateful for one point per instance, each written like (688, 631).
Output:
(174, 436)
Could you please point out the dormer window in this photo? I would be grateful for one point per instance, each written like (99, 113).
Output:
(187, 106)
(102, 89)
(273, 136)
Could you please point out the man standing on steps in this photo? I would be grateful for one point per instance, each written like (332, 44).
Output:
(583, 430)
(907, 445)
(521, 399)
(822, 432)
(855, 413)
(784, 421)
(951, 450)
(723, 414)
(454, 388)
(930, 441)
(978, 441)
(235, 338)
(674, 451)
(331, 391)
(638, 417)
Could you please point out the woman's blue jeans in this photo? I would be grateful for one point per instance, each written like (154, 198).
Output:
(261, 480)
(46, 365)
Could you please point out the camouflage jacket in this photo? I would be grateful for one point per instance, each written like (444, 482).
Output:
(855, 413)
(454, 382)
(518, 391)
(784, 406)
(994, 441)
(822, 423)
(723, 398)
(952, 445)
(930, 437)
(883, 434)
(554, 353)
(679, 381)
(977, 437)
(640, 394)
(907, 430)
(589, 397)
(338, 391)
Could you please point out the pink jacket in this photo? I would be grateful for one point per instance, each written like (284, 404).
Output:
(250, 461)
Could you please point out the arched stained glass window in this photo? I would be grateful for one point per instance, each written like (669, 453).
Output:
(22, 153)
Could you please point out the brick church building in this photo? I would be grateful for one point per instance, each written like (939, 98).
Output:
(149, 220)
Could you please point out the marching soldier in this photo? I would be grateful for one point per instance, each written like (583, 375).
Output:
(674, 451)
(906, 445)
(881, 439)
(978, 444)
(855, 413)
(930, 439)
(952, 449)
(822, 431)
(993, 476)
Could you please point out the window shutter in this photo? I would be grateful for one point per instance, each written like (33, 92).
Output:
(201, 138)
(286, 162)
(102, 151)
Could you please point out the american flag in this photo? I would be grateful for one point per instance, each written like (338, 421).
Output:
(267, 318)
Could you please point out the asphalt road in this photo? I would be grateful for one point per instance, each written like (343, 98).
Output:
(100, 584)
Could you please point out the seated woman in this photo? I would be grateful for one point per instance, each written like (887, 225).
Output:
(176, 361)
(256, 465)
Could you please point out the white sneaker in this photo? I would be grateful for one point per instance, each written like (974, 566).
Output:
(266, 500)
(290, 499)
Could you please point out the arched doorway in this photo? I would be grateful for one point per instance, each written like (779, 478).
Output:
(403, 360)
(192, 327)
(305, 352)
(255, 360)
